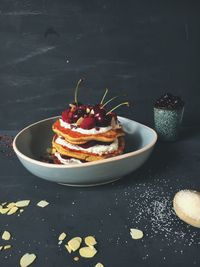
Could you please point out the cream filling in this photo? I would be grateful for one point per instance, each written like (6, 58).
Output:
(84, 131)
(66, 161)
(97, 149)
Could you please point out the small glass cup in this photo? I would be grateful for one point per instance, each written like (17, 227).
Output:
(167, 123)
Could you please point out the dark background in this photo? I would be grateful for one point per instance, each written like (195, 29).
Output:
(138, 48)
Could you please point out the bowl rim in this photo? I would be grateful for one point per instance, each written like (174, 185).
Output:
(86, 164)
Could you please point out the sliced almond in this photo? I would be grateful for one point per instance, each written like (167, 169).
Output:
(22, 203)
(11, 205)
(27, 259)
(87, 110)
(6, 235)
(6, 247)
(1, 248)
(68, 248)
(76, 258)
(79, 239)
(4, 203)
(4, 210)
(87, 252)
(136, 233)
(79, 121)
(42, 203)
(74, 244)
(99, 265)
(90, 241)
(12, 210)
(62, 236)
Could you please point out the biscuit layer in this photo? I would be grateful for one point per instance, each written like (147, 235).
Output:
(79, 138)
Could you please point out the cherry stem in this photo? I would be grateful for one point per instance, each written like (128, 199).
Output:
(104, 96)
(76, 91)
(109, 101)
(122, 104)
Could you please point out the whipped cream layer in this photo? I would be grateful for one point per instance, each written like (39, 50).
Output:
(98, 130)
(66, 161)
(96, 149)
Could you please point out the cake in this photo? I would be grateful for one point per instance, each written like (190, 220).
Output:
(86, 133)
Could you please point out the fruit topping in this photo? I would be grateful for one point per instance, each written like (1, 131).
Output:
(88, 116)
(169, 101)
(88, 123)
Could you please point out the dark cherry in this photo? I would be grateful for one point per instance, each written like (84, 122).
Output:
(103, 121)
(88, 123)
(97, 108)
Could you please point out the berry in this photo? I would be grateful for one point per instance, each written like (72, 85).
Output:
(88, 123)
(65, 116)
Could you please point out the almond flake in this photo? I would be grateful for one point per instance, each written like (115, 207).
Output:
(79, 239)
(1, 248)
(99, 265)
(74, 244)
(68, 248)
(6, 235)
(7, 247)
(22, 203)
(87, 252)
(90, 241)
(62, 236)
(79, 121)
(27, 259)
(4, 210)
(76, 258)
(12, 210)
(136, 233)
(42, 203)
(11, 205)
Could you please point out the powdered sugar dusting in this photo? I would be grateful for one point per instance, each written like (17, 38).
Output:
(149, 208)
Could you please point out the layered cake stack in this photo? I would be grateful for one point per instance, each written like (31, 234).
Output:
(87, 133)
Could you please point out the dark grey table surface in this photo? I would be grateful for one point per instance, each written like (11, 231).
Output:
(141, 200)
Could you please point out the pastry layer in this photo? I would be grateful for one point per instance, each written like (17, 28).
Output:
(80, 138)
(87, 156)
(93, 147)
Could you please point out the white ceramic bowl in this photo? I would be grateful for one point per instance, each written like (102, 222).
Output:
(31, 143)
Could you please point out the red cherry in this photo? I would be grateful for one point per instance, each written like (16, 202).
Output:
(65, 116)
(88, 123)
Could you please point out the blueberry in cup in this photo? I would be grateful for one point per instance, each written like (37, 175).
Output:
(168, 114)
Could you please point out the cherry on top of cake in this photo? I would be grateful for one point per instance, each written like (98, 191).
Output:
(90, 116)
